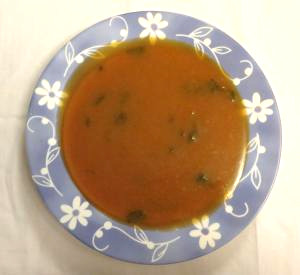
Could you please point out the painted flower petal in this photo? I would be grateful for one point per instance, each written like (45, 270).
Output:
(51, 103)
(43, 100)
(84, 205)
(82, 220)
(76, 203)
(253, 118)
(256, 99)
(215, 226)
(144, 22)
(150, 17)
(203, 242)
(157, 18)
(58, 101)
(197, 224)
(195, 233)
(267, 111)
(144, 33)
(211, 242)
(41, 91)
(57, 93)
(152, 37)
(249, 111)
(160, 34)
(56, 86)
(215, 235)
(72, 224)
(262, 117)
(162, 24)
(60, 94)
(205, 221)
(267, 103)
(247, 103)
(65, 218)
(66, 208)
(46, 84)
(63, 94)
(86, 213)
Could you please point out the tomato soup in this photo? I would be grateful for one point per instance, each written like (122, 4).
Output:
(153, 135)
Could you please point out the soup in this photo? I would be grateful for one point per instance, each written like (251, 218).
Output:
(153, 135)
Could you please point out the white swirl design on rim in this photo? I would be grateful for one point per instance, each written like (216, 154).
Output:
(44, 179)
(159, 248)
(201, 44)
(93, 51)
(230, 210)
(254, 146)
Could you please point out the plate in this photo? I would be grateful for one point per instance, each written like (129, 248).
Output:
(132, 243)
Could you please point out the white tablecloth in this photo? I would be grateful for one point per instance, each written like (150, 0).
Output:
(32, 242)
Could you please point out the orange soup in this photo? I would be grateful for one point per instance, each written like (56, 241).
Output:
(153, 135)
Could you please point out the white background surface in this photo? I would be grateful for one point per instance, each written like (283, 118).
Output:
(32, 242)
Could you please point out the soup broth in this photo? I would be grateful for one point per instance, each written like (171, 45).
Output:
(153, 135)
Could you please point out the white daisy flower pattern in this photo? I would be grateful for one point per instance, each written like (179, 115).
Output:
(153, 25)
(50, 96)
(257, 109)
(78, 212)
(206, 233)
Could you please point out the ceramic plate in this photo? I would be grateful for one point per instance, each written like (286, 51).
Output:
(131, 243)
